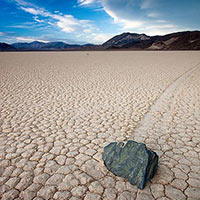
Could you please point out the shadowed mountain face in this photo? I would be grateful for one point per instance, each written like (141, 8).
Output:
(6, 47)
(175, 41)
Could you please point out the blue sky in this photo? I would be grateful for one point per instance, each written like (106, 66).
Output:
(93, 21)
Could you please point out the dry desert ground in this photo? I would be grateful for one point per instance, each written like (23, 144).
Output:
(59, 109)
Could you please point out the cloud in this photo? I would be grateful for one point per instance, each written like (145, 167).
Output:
(147, 4)
(127, 15)
(67, 23)
(90, 3)
(27, 25)
(12, 37)
(1, 33)
(125, 9)
(85, 2)
(36, 11)
(23, 3)
(38, 20)
(101, 37)
(30, 39)
(160, 21)
(97, 38)
(153, 15)
(124, 22)
(19, 26)
(137, 16)
(7, 34)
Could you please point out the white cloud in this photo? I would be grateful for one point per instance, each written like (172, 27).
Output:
(138, 16)
(38, 20)
(26, 25)
(153, 15)
(159, 29)
(100, 37)
(1, 33)
(161, 21)
(87, 31)
(153, 32)
(29, 39)
(90, 3)
(96, 38)
(147, 4)
(86, 2)
(130, 15)
(125, 23)
(162, 29)
(36, 11)
(22, 3)
(19, 26)
(165, 26)
(130, 24)
(67, 23)
(123, 13)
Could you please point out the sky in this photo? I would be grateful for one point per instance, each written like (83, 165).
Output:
(93, 21)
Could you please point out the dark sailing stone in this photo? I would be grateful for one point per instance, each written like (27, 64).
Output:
(132, 161)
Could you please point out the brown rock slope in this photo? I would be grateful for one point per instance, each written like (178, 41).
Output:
(189, 40)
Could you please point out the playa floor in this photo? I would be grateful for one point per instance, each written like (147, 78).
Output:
(59, 109)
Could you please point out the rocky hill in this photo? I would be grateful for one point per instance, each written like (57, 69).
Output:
(189, 40)
(126, 40)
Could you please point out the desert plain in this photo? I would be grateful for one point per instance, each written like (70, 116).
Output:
(59, 109)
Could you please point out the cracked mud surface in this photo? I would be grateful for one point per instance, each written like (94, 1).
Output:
(58, 110)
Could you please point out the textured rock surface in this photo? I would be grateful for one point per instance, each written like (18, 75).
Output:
(65, 107)
(132, 161)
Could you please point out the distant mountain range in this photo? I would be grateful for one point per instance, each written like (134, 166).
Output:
(47, 46)
(188, 40)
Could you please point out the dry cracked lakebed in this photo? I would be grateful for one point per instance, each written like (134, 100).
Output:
(58, 110)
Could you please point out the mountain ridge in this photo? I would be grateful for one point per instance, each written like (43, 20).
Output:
(36, 45)
(187, 40)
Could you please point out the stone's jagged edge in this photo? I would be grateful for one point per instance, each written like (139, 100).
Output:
(152, 164)
(119, 158)
(105, 157)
